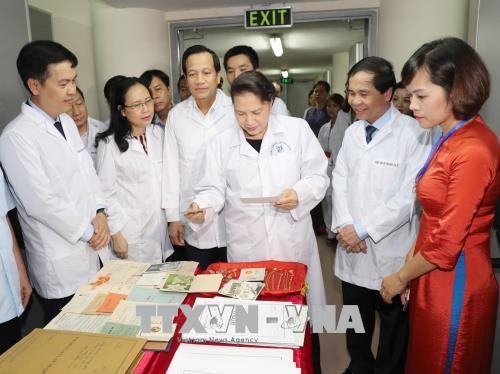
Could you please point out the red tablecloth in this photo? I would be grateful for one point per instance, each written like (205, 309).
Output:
(158, 362)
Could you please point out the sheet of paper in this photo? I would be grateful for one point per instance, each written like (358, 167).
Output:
(78, 303)
(151, 279)
(177, 283)
(77, 322)
(154, 295)
(259, 200)
(206, 283)
(164, 266)
(195, 358)
(49, 351)
(95, 303)
(110, 302)
(241, 289)
(252, 274)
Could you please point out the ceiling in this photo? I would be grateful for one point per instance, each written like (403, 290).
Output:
(179, 5)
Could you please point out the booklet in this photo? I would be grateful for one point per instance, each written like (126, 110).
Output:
(165, 266)
(191, 283)
(241, 289)
(177, 283)
(252, 274)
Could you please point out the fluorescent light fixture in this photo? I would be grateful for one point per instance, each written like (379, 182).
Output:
(284, 73)
(276, 45)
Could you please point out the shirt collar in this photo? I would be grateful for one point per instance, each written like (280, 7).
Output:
(214, 107)
(382, 120)
(42, 112)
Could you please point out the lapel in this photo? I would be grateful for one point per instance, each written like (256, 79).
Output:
(386, 129)
(43, 121)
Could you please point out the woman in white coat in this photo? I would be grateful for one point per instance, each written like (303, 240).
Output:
(129, 166)
(266, 156)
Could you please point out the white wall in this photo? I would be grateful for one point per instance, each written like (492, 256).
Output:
(404, 25)
(340, 63)
(128, 42)
(72, 27)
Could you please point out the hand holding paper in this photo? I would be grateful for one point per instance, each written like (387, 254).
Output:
(288, 199)
(195, 214)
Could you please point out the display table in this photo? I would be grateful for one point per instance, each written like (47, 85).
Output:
(158, 362)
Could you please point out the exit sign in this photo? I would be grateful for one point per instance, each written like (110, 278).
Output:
(286, 80)
(268, 18)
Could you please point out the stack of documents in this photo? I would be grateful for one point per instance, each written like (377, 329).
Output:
(47, 351)
(209, 359)
(233, 321)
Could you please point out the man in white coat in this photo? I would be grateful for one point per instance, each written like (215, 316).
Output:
(87, 126)
(191, 124)
(243, 58)
(53, 181)
(373, 201)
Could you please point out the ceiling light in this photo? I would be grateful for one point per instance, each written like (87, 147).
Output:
(284, 73)
(276, 45)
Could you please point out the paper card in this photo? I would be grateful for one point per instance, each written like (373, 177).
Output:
(259, 200)
(252, 274)
(156, 333)
(154, 295)
(177, 283)
(78, 303)
(151, 279)
(242, 290)
(165, 266)
(206, 283)
(95, 304)
(110, 302)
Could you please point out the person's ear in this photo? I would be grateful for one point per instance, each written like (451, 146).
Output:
(34, 86)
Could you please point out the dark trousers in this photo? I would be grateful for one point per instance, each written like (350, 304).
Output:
(391, 353)
(178, 254)
(10, 333)
(52, 307)
(317, 219)
(204, 256)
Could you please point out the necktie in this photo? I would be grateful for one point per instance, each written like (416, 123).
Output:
(59, 127)
(370, 130)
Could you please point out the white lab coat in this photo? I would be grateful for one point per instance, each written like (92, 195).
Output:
(279, 107)
(290, 156)
(187, 133)
(56, 191)
(94, 127)
(373, 185)
(331, 139)
(131, 182)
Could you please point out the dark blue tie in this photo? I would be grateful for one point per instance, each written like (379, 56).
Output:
(370, 130)
(59, 127)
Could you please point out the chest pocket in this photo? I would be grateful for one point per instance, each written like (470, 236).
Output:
(386, 174)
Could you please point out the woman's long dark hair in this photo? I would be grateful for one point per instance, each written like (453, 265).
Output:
(119, 126)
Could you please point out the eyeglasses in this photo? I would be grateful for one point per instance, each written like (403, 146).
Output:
(138, 106)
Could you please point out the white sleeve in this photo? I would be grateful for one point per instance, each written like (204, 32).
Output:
(340, 207)
(106, 170)
(313, 181)
(25, 172)
(392, 214)
(171, 175)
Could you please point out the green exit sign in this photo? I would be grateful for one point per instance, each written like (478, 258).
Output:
(268, 18)
(286, 80)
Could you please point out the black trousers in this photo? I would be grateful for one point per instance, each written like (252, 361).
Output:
(205, 256)
(52, 307)
(392, 345)
(10, 333)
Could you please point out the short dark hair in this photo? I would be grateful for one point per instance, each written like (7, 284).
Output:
(254, 82)
(458, 68)
(35, 57)
(80, 92)
(148, 76)
(109, 87)
(400, 84)
(382, 70)
(325, 85)
(179, 81)
(242, 50)
(195, 49)
(337, 99)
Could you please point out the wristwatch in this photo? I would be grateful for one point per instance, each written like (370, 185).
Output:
(103, 211)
